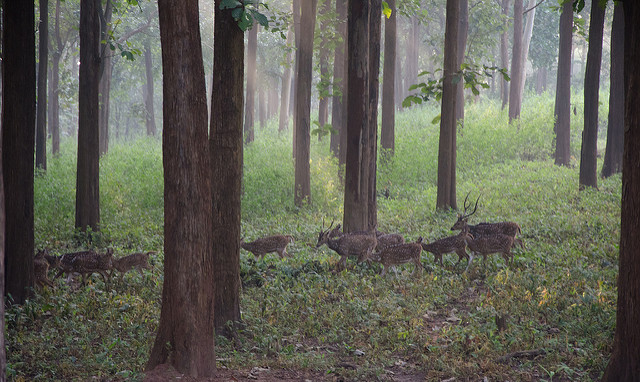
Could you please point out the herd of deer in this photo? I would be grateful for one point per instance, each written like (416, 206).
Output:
(86, 263)
(391, 250)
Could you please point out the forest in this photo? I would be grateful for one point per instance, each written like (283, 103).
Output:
(285, 190)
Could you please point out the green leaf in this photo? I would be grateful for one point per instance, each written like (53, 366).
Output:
(261, 19)
(385, 9)
(475, 90)
(230, 4)
(237, 14)
(436, 120)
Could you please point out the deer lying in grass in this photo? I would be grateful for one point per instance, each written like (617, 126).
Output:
(41, 268)
(86, 263)
(276, 243)
(485, 229)
(451, 244)
(384, 239)
(139, 261)
(397, 254)
(350, 244)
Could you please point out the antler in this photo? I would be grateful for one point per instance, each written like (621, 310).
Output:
(466, 207)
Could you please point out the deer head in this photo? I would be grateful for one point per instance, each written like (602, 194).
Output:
(464, 217)
(323, 236)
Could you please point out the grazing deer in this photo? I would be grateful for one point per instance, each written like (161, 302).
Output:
(139, 261)
(397, 254)
(276, 243)
(451, 244)
(351, 244)
(486, 245)
(384, 239)
(484, 229)
(41, 268)
(86, 263)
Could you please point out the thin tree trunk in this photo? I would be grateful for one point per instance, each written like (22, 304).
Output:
(249, 106)
(225, 144)
(262, 117)
(526, 41)
(589, 152)
(323, 99)
(41, 112)
(150, 117)
(339, 96)
(3, 351)
(504, 53)
(54, 106)
(562, 111)
(106, 69)
(615, 130)
(283, 124)
(344, 61)
(294, 80)
(185, 337)
(541, 80)
(515, 102)
(387, 132)
(375, 29)
(302, 190)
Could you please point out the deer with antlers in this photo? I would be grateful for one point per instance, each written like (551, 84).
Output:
(275, 243)
(484, 229)
(397, 254)
(359, 244)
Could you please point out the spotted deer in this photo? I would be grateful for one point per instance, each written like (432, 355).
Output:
(276, 243)
(384, 239)
(139, 261)
(487, 245)
(485, 229)
(41, 268)
(397, 254)
(451, 244)
(350, 244)
(86, 263)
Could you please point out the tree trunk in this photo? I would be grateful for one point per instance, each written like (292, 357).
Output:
(18, 136)
(338, 97)
(615, 130)
(375, 28)
(463, 28)
(225, 143)
(249, 106)
(323, 97)
(150, 115)
(504, 53)
(185, 337)
(41, 112)
(87, 184)
(589, 152)
(387, 132)
(302, 190)
(399, 91)
(54, 102)
(624, 364)
(261, 103)
(357, 156)
(283, 124)
(515, 102)
(446, 167)
(541, 82)
(562, 111)
(526, 41)
(344, 61)
(3, 351)
(106, 69)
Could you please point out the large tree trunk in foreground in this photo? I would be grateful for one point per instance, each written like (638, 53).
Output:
(515, 102)
(588, 154)
(43, 60)
(185, 337)
(562, 111)
(625, 359)
(302, 190)
(18, 135)
(226, 164)
(446, 156)
(615, 130)
(387, 131)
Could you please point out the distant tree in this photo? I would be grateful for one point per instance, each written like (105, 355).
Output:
(150, 118)
(375, 27)
(624, 364)
(526, 42)
(18, 136)
(87, 180)
(543, 50)
(562, 111)
(252, 70)
(54, 84)
(43, 60)
(463, 29)
(3, 351)
(615, 130)
(225, 145)
(106, 69)
(323, 64)
(446, 156)
(515, 102)
(588, 154)
(283, 124)
(185, 336)
(340, 79)
(504, 52)
(303, 103)
(387, 131)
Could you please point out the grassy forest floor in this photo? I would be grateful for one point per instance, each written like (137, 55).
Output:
(303, 321)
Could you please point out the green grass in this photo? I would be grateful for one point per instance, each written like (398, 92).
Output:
(559, 295)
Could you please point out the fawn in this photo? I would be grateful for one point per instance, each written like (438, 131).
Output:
(397, 254)
(484, 229)
(350, 244)
(450, 244)
(41, 268)
(86, 263)
(276, 243)
(139, 261)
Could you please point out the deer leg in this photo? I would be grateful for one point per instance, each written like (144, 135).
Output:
(470, 261)
(384, 270)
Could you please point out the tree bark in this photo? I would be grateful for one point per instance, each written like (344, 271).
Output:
(526, 42)
(3, 351)
(589, 152)
(338, 97)
(387, 131)
(541, 81)
(624, 364)
(150, 117)
(106, 69)
(54, 101)
(41, 112)
(283, 122)
(344, 61)
(504, 53)
(323, 99)
(446, 167)
(375, 28)
(515, 102)
(18, 136)
(185, 337)
(615, 130)
(226, 164)
(249, 106)
(562, 111)
(357, 155)
(87, 184)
